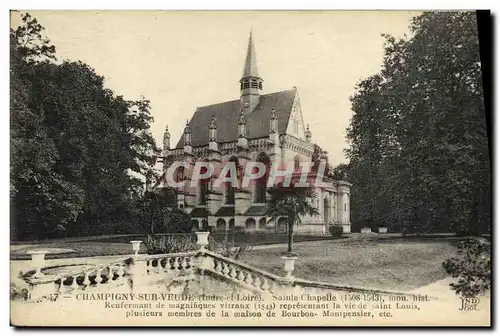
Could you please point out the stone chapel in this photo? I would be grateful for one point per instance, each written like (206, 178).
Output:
(254, 127)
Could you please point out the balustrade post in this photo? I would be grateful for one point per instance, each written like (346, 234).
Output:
(138, 273)
(137, 267)
(37, 262)
(289, 267)
(202, 239)
(136, 245)
(202, 260)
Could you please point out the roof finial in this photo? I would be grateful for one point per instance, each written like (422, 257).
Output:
(212, 123)
(273, 122)
(242, 126)
(166, 140)
(212, 132)
(308, 133)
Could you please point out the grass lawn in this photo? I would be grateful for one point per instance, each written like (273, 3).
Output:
(391, 264)
(384, 262)
(119, 245)
(81, 249)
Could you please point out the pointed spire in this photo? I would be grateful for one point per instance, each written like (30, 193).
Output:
(212, 130)
(242, 126)
(273, 122)
(250, 69)
(250, 83)
(242, 119)
(187, 134)
(166, 139)
(273, 114)
(212, 123)
(308, 134)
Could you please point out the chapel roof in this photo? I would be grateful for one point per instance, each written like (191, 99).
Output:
(227, 115)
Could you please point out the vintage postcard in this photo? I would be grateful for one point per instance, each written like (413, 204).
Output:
(249, 168)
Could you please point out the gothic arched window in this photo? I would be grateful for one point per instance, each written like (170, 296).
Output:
(179, 174)
(261, 183)
(296, 163)
(230, 187)
(202, 195)
(229, 194)
(203, 187)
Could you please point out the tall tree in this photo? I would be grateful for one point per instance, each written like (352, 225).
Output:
(89, 147)
(418, 144)
(43, 201)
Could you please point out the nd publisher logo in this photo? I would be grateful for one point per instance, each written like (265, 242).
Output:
(469, 304)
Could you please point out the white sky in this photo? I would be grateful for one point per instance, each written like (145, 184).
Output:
(181, 60)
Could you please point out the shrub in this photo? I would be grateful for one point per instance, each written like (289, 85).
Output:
(472, 267)
(239, 251)
(17, 293)
(212, 244)
(229, 250)
(169, 244)
(336, 230)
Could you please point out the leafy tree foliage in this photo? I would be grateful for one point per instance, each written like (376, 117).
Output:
(418, 144)
(78, 151)
(471, 267)
(159, 213)
(341, 172)
(319, 155)
(336, 230)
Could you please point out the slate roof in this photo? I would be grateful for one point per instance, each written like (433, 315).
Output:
(199, 212)
(228, 113)
(256, 210)
(225, 211)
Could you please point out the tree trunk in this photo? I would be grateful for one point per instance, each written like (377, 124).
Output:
(152, 224)
(290, 236)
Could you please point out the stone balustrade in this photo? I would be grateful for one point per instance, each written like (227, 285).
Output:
(137, 272)
(54, 286)
(248, 277)
(169, 263)
(112, 275)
